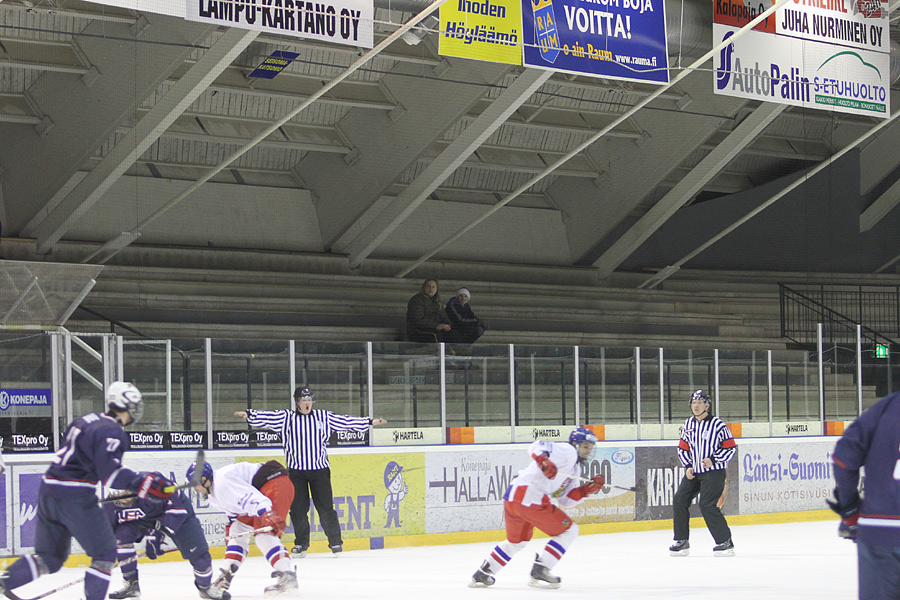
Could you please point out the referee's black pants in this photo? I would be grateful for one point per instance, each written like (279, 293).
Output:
(710, 486)
(315, 483)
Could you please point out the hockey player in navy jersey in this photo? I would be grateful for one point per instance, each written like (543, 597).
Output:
(135, 519)
(554, 471)
(873, 522)
(67, 501)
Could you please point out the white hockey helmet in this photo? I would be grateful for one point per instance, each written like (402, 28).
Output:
(123, 395)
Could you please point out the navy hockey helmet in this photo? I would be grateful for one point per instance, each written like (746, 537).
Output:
(207, 471)
(582, 434)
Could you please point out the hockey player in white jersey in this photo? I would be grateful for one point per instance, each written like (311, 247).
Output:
(555, 472)
(252, 496)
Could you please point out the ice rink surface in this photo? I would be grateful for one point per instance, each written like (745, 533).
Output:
(791, 561)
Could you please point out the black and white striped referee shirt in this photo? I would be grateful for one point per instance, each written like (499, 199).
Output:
(709, 438)
(305, 436)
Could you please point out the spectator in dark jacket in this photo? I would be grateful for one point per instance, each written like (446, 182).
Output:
(465, 326)
(426, 320)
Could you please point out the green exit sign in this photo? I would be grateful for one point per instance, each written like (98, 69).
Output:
(881, 350)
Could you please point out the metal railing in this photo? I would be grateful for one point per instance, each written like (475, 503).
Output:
(840, 309)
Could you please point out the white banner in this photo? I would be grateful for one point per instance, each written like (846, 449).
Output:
(834, 56)
(340, 21)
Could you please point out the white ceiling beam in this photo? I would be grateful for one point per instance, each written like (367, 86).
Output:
(142, 136)
(880, 208)
(695, 66)
(107, 251)
(443, 166)
(669, 270)
(688, 187)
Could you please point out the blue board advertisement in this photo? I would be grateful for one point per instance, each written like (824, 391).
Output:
(620, 39)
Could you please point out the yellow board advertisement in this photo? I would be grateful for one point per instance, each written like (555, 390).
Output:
(377, 495)
(488, 30)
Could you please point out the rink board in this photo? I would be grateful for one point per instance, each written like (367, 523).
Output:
(414, 495)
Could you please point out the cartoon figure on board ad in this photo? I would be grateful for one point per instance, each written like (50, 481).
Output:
(397, 490)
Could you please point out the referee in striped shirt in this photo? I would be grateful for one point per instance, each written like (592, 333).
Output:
(305, 433)
(705, 447)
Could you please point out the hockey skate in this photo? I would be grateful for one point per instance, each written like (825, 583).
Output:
(336, 550)
(212, 593)
(131, 589)
(483, 577)
(286, 581)
(680, 548)
(298, 552)
(223, 581)
(726, 548)
(541, 577)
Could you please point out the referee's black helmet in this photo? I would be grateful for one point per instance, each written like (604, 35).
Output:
(302, 393)
(701, 395)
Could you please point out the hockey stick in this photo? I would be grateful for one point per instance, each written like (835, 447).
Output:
(136, 557)
(12, 596)
(266, 529)
(200, 460)
(618, 487)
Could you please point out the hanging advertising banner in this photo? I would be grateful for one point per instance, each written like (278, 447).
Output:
(618, 39)
(340, 21)
(273, 64)
(487, 30)
(829, 54)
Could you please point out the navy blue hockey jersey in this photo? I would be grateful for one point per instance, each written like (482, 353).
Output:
(873, 441)
(145, 513)
(91, 452)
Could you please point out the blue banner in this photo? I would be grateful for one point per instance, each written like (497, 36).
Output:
(274, 64)
(621, 39)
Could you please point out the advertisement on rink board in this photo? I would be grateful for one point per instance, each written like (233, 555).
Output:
(31, 410)
(377, 495)
(829, 54)
(436, 491)
(29, 484)
(785, 477)
(659, 473)
(464, 490)
(166, 440)
(617, 465)
(4, 516)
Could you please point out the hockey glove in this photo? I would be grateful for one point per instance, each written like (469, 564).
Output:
(155, 487)
(849, 516)
(547, 467)
(595, 485)
(271, 519)
(153, 542)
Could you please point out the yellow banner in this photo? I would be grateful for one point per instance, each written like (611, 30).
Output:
(488, 30)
